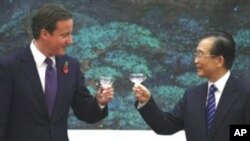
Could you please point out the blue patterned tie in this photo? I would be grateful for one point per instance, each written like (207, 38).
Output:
(50, 85)
(210, 107)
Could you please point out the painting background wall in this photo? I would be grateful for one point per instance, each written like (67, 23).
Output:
(118, 37)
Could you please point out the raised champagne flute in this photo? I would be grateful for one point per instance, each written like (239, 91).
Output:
(106, 81)
(137, 78)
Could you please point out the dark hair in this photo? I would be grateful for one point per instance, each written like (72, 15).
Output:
(47, 18)
(223, 45)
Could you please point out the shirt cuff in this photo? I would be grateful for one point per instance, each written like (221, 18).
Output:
(101, 106)
(140, 105)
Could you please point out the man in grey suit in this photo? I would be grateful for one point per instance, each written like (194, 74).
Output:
(39, 84)
(204, 114)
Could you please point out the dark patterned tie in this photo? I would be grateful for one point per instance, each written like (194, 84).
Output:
(50, 85)
(210, 107)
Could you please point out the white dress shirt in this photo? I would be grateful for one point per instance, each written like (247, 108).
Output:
(40, 64)
(220, 85)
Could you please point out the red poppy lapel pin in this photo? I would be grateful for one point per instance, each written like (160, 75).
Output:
(66, 67)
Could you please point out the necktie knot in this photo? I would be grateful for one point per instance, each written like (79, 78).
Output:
(213, 88)
(48, 61)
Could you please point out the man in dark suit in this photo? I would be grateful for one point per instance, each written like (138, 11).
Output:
(39, 84)
(206, 111)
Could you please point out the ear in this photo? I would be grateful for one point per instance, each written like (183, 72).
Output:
(44, 34)
(220, 61)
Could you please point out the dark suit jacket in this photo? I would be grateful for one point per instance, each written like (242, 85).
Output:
(189, 113)
(23, 109)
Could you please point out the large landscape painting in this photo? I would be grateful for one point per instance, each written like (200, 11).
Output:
(119, 37)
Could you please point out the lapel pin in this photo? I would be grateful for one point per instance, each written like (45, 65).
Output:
(66, 67)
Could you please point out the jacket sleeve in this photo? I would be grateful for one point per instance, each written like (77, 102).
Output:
(84, 105)
(161, 122)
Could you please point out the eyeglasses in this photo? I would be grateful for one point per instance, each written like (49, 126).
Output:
(200, 55)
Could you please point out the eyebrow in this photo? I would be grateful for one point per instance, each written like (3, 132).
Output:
(199, 50)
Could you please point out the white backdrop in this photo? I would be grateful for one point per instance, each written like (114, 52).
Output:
(123, 135)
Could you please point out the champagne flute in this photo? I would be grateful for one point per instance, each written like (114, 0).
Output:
(137, 78)
(106, 81)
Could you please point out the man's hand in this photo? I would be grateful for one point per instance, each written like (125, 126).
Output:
(104, 95)
(142, 94)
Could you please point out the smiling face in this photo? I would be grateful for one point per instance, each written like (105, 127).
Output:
(60, 38)
(207, 65)
(55, 43)
(52, 28)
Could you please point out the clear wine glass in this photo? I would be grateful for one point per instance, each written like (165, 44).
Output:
(137, 78)
(106, 81)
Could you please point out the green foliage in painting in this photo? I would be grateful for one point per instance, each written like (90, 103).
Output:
(108, 46)
(242, 65)
(96, 72)
(189, 79)
(242, 38)
(167, 96)
(91, 42)
(125, 61)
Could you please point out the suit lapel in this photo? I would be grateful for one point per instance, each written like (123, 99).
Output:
(228, 97)
(29, 69)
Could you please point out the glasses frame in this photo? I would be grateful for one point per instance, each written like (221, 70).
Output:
(200, 55)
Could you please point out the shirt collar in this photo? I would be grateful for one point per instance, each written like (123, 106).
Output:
(220, 84)
(39, 57)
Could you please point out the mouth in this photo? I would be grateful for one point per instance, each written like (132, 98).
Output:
(198, 68)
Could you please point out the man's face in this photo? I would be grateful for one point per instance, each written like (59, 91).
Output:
(206, 64)
(60, 38)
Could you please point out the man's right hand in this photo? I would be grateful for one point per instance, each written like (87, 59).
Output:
(142, 94)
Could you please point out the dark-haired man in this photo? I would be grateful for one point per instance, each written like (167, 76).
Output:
(206, 111)
(39, 84)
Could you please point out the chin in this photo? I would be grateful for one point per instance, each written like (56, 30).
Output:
(200, 74)
(61, 53)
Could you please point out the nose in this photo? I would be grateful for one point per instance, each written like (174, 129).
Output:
(69, 40)
(195, 60)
